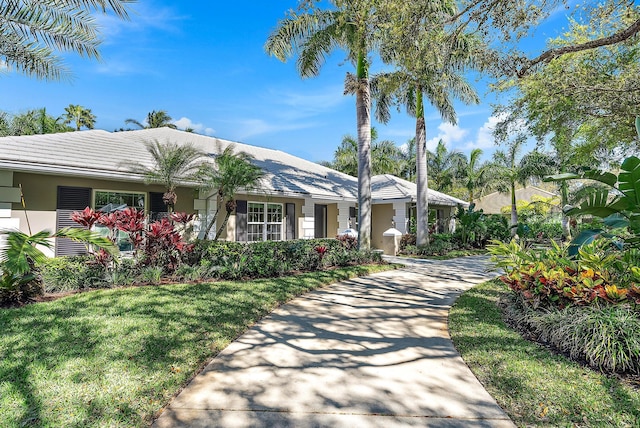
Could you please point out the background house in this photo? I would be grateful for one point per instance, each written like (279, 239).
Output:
(494, 202)
(62, 173)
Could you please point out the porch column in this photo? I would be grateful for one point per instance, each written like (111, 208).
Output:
(307, 221)
(400, 216)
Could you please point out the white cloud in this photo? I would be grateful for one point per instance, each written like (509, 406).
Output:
(484, 137)
(449, 134)
(141, 18)
(185, 122)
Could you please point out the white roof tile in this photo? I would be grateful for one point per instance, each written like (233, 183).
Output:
(100, 154)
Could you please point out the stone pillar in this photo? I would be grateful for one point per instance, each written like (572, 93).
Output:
(206, 208)
(8, 195)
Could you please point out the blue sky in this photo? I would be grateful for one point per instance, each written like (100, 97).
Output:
(204, 63)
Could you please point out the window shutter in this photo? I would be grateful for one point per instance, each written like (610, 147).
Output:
(157, 207)
(70, 199)
(352, 212)
(291, 221)
(241, 220)
(320, 219)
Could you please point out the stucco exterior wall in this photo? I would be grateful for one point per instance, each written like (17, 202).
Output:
(332, 220)
(381, 218)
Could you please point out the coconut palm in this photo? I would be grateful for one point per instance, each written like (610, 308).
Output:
(79, 116)
(231, 173)
(35, 122)
(32, 32)
(314, 34)
(155, 119)
(171, 164)
(429, 70)
(507, 170)
(444, 167)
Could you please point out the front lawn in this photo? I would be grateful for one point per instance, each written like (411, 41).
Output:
(115, 357)
(532, 384)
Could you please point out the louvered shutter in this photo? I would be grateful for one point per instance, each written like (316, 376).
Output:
(241, 221)
(291, 221)
(70, 199)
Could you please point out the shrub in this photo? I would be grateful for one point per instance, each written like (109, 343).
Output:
(606, 337)
(71, 273)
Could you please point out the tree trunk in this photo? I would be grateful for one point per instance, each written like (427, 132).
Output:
(223, 225)
(213, 220)
(363, 112)
(422, 205)
(564, 201)
(514, 211)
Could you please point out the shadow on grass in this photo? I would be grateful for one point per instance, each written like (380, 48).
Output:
(114, 357)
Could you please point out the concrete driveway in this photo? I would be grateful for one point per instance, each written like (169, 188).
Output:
(369, 352)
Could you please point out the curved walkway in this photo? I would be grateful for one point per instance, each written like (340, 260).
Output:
(368, 352)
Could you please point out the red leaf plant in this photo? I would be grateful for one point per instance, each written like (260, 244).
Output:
(87, 217)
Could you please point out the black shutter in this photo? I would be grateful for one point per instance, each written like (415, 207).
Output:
(157, 207)
(241, 221)
(291, 221)
(352, 212)
(70, 199)
(320, 220)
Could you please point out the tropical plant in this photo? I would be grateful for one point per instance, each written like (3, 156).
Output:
(20, 257)
(444, 167)
(155, 119)
(79, 116)
(386, 157)
(230, 173)
(506, 171)
(31, 122)
(32, 32)
(470, 227)
(429, 70)
(618, 204)
(171, 164)
(315, 34)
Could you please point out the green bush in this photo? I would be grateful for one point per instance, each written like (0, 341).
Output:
(606, 337)
(71, 273)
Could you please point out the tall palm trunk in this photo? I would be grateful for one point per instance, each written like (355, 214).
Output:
(514, 210)
(422, 206)
(363, 113)
(564, 201)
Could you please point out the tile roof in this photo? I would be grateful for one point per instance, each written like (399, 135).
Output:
(100, 154)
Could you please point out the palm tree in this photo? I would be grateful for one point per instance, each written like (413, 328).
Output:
(386, 157)
(32, 31)
(444, 167)
(35, 122)
(409, 155)
(172, 163)
(231, 173)
(315, 34)
(155, 119)
(428, 70)
(476, 175)
(80, 116)
(507, 171)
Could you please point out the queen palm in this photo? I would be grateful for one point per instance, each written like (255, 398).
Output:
(428, 71)
(79, 116)
(155, 119)
(476, 175)
(230, 173)
(314, 34)
(171, 164)
(32, 32)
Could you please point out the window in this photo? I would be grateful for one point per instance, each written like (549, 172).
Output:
(264, 222)
(108, 201)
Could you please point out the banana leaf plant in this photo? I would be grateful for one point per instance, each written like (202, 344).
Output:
(20, 256)
(618, 204)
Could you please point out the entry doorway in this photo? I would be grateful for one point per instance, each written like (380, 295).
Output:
(320, 214)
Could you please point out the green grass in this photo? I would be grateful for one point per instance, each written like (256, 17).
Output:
(535, 386)
(115, 357)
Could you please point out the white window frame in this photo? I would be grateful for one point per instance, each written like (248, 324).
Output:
(123, 237)
(264, 224)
